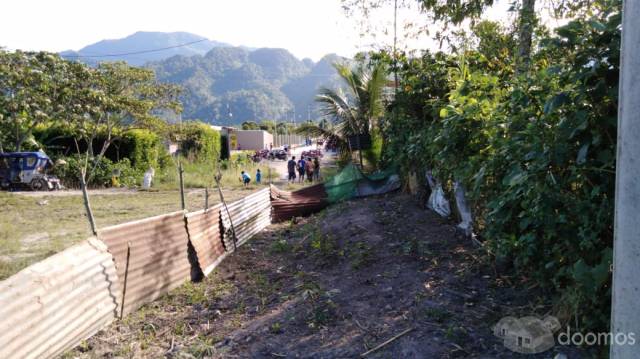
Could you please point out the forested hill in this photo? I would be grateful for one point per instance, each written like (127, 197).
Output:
(230, 85)
(218, 79)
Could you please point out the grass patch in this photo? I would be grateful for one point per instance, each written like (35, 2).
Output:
(280, 246)
(34, 228)
(437, 314)
(201, 175)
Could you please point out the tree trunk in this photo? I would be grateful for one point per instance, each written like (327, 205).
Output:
(526, 24)
(87, 205)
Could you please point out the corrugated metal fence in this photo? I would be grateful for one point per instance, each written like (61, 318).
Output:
(286, 205)
(205, 234)
(51, 306)
(150, 255)
(249, 215)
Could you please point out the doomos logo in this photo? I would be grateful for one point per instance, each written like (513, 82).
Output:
(527, 335)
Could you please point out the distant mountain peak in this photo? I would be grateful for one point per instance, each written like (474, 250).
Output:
(155, 46)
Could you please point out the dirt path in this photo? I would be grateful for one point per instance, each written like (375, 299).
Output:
(335, 285)
(328, 160)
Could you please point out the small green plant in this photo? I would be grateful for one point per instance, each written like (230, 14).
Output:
(280, 246)
(322, 313)
(275, 328)
(325, 245)
(456, 334)
(203, 347)
(437, 314)
(179, 329)
(193, 293)
(360, 254)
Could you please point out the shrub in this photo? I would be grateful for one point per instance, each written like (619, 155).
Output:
(144, 149)
(69, 172)
(536, 152)
(199, 142)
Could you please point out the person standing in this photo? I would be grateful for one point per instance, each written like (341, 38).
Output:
(309, 170)
(258, 176)
(291, 167)
(301, 169)
(316, 169)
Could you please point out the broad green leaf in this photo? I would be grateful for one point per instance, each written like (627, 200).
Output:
(582, 154)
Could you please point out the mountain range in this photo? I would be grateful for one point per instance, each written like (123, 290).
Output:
(223, 84)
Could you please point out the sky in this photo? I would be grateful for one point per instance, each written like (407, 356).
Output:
(307, 28)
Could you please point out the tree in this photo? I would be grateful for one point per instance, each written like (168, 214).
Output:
(250, 125)
(33, 90)
(354, 113)
(268, 125)
(110, 100)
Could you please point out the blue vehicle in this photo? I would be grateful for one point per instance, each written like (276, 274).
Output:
(27, 170)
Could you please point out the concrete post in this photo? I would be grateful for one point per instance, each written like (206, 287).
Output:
(625, 311)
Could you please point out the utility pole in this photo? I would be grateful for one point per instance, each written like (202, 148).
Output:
(625, 314)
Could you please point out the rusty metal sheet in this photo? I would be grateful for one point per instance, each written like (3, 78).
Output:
(205, 234)
(287, 205)
(51, 306)
(158, 256)
(250, 215)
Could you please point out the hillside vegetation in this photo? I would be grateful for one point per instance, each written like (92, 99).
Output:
(230, 85)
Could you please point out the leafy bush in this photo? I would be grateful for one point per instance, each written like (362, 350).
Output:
(144, 149)
(69, 172)
(535, 151)
(199, 142)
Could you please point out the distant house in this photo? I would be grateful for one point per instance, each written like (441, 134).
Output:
(252, 140)
(527, 335)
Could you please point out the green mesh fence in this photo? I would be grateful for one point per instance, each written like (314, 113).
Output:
(351, 182)
(344, 185)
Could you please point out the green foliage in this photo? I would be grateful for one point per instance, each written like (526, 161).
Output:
(144, 149)
(250, 125)
(535, 151)
(199, 142)
(69, 172)
(90, 106)
(353, 113)
(234, 85)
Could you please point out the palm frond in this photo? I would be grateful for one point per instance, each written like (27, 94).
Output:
(335, 106)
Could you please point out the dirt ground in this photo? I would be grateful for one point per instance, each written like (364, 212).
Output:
(335, 285)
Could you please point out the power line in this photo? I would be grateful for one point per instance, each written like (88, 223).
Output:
(138, 52)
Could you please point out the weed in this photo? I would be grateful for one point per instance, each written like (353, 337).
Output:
(322, 313)
(456, 334)
(360, 254)
(437, 314)
(275, 328)
(193, 293)
(179, 329)
(325, 245)
(280, 246)
(203, 347)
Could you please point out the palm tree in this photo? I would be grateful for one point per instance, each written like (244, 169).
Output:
(353, 113)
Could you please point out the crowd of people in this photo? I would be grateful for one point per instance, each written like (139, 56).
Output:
(303, 169)
(309, 168)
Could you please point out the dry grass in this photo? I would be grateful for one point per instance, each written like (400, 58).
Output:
(33, 228)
